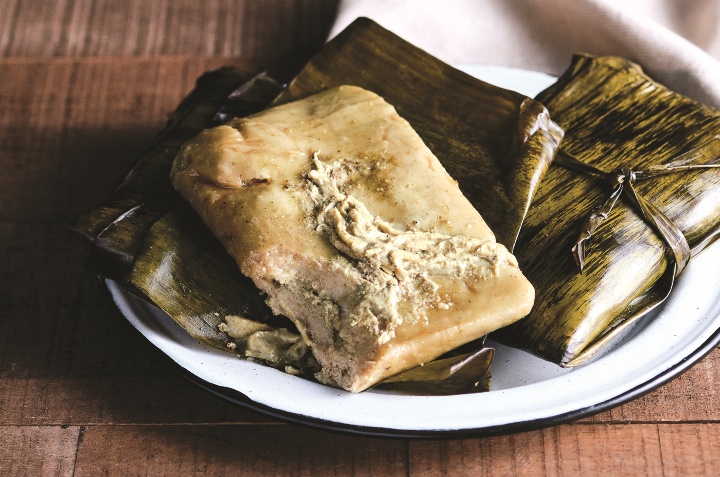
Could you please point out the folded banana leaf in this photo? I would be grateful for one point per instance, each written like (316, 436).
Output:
(183, 270)
(498, 142)
(145, 236)
(457, 372)
(634, 191)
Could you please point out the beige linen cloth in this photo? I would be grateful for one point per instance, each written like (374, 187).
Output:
(676, 41)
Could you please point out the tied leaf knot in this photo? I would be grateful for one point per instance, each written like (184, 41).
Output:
(622, 183)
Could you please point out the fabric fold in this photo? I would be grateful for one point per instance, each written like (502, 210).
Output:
(677, 42)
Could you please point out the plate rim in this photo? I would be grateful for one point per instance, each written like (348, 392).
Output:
(237, 397)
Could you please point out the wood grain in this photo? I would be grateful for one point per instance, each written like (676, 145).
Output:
(233, 450)
(280, 34)
(38, 451)
(648, 449)
(71, 128)
(79, 392)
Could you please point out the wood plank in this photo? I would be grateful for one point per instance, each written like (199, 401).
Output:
(647, 449)
(234, 450)
(570, 450)
(67, 355)
(275, 31)
(38, 451)
(70, 129)
(690, 449)
(693, 396)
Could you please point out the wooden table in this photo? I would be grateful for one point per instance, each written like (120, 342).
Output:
(84, 85)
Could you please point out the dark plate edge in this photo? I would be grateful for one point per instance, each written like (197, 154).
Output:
(238, 398)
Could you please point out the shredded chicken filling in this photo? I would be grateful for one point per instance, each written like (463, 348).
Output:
(395, 265)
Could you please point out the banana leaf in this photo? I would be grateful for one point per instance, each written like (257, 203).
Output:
(464, 370)
(464, 374)
(184, 271)
(145, 235)
(621, 128)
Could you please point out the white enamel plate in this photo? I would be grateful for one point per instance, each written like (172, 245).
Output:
(527, 392)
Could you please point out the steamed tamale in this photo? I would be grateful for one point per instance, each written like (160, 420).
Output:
(621, 125)
(497, 142)
(335, 208)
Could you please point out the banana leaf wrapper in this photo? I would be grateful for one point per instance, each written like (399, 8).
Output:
(182, 269)
(499, 142)
(615, 119)
(465, 370)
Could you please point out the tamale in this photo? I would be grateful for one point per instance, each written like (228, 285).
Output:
(619, 121)
(335, 208)
(497, 142)
(508, 145)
